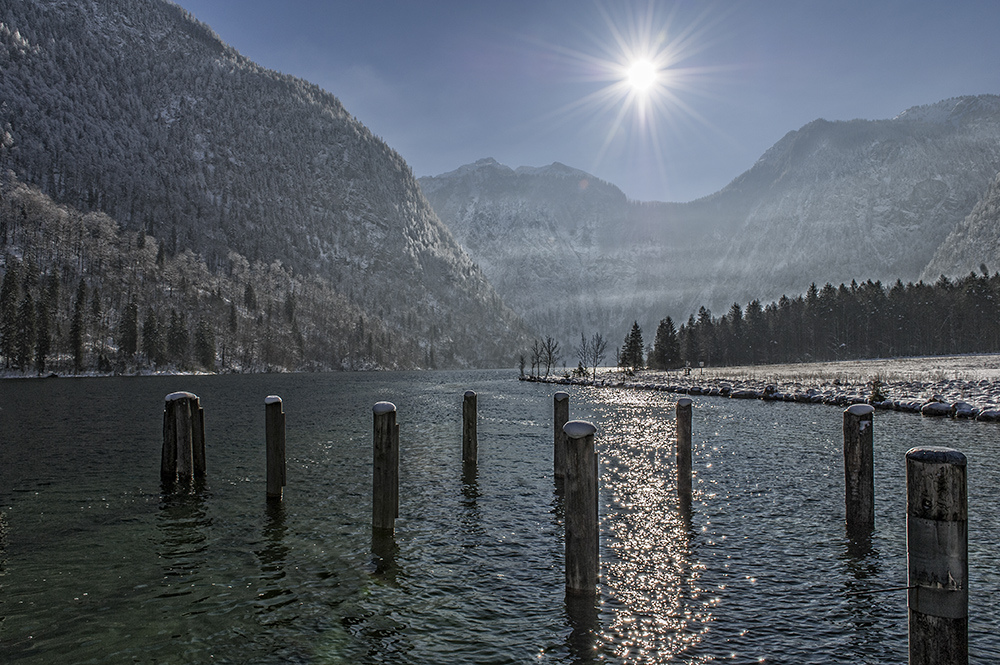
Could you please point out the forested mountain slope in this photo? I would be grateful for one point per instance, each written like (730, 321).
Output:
(835, 201)
(134, 109)
(974, 242)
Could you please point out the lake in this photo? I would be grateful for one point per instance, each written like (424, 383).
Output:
(99, 565)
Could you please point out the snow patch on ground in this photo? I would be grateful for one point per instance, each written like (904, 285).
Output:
(957, 386)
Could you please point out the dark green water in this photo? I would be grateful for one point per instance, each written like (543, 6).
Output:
(98, 565)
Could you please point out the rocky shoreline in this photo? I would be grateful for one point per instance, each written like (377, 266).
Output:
(953, 398)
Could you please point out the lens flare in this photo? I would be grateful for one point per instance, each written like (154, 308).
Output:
(640, 64)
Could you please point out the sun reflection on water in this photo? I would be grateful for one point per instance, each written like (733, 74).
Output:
(656, 608)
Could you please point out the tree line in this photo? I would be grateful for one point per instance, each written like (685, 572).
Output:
(846, 322)
(80, 294)
(852, 321)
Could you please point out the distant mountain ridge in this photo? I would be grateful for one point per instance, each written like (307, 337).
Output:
(832, 201)
(135, 109)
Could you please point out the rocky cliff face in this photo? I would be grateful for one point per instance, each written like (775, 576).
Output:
(974, 243)
(860, 199)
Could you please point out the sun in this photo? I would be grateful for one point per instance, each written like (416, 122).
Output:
(641, 75)
(641, 63)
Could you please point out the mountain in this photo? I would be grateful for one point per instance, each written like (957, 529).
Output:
(134, 109)
(570, 252)
(832, 201)
(975, 242)
(836, 201)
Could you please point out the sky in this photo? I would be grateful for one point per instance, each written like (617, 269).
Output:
(532, 82)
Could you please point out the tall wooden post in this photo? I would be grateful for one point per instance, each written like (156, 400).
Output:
(183, 453)
(560, 416)
(168, 454)
(274, 429)
(684, 451)
(582, 533)
(385, 472)
(198, 438)
(470, 436)
(937, 553)
(859, 470)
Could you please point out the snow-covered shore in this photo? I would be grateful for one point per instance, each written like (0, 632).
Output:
(955, 386)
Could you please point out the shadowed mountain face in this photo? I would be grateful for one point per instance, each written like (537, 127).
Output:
(132, 108)
(974, 243)
(833, 201)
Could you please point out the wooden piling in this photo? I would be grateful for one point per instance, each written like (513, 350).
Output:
(274, 429)
(470, 437)
(183, 454)
(582, 533)
(385, 472)
(168, 454)
(859, 470)
(937, 552)
(560, 416)
(684, 451)
(198, 438)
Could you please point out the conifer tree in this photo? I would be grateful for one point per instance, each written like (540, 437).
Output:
(666, 347)
(177, 338)
(24, 334)
(43, 337)
(204, 345)
(632, 353)
(76, 328)
(9, 292)
(152, 339)
(128, 331)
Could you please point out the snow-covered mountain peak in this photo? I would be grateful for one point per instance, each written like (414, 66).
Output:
(952, 110)
(556, 169)
(486, 166)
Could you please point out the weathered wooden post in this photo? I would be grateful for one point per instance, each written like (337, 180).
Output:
(470, 436)
(937, 553)
(198, 438)
(183, 453)
(385, 472)
(168, 454)
(859, 470)
(274, 429)
(582, 534)
(684, 451)
(560, 416)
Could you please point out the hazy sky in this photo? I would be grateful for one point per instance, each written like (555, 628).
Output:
(538, 81)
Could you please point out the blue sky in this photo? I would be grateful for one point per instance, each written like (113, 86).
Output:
(534, 82)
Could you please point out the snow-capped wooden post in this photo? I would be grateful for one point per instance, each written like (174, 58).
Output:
(859, 470)
(183, 453)
(274, 429)
(937, 553)
(582, 533)
(560, 416)
(684, 450)
(385, 471)
(470, 435)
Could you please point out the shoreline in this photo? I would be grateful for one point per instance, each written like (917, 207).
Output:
(961, 387)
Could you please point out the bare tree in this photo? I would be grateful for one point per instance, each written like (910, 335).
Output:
(536, 357)
(598, 350)
(550, 351)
